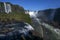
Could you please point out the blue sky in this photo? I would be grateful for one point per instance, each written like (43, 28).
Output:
(35, 4)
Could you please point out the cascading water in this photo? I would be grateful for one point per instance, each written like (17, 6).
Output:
(33, 15)
(55, 32)
(52, 14)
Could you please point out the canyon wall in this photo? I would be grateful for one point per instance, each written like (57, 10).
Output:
(50, 14)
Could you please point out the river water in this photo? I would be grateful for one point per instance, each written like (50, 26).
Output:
(46, 31)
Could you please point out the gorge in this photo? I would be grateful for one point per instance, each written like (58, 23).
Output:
(17, 23)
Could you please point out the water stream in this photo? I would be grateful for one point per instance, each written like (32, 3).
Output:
(52, 33)
(38, 28)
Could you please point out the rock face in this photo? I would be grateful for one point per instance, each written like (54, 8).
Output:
(16, 30)
(57, 15)
(7, 7)
(50, 15)
(2, 7)
(11, 11)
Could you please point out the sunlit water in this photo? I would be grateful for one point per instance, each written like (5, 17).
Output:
(34, 15)
(55, 31)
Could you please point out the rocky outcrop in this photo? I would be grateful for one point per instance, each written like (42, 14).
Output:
(50, 16)
(11, 11)
(17, 30)
(7, 7)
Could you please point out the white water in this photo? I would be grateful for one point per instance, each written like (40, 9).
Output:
(51, 28)
(28, 28)
(33, 15)
(7, 7)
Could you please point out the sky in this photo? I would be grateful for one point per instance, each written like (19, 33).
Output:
(35, 4)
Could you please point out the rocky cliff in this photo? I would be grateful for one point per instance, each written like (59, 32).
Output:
(50, 15)
(17, 12)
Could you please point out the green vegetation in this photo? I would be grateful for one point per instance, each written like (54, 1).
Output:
(17, 13)
(17, 16)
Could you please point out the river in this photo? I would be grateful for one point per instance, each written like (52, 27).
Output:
(46, 31)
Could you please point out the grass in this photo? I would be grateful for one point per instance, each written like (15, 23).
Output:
(17, 16)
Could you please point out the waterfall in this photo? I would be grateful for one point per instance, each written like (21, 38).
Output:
(7, 7)
(52, 14)
(55, 32)
(33, 15)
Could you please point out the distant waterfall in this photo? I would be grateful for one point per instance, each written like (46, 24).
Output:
(52, 15)
(7, 7)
